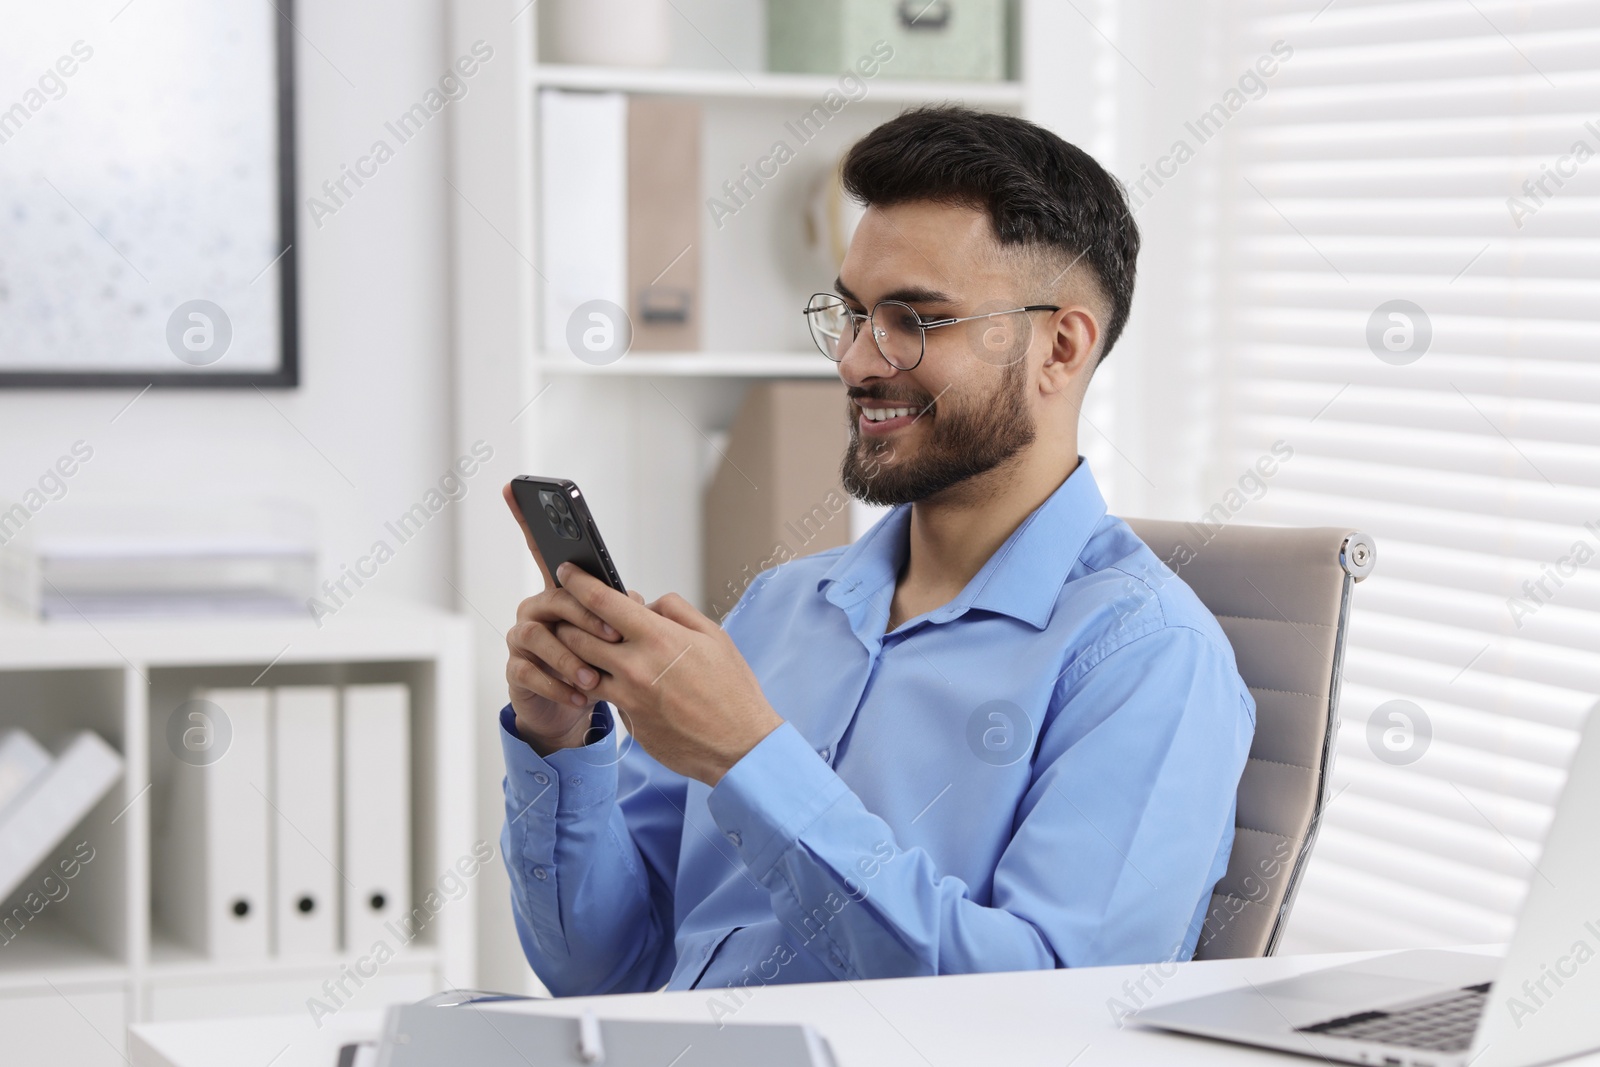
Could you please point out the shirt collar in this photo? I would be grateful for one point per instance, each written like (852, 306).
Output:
(1022, 579)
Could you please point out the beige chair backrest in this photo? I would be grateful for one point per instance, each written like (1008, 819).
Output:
(1283, 597)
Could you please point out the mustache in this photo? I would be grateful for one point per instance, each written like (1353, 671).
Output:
(901, 401)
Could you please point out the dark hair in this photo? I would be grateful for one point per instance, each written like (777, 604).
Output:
(1038, 190)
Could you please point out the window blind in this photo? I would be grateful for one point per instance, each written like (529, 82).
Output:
(1444, 153)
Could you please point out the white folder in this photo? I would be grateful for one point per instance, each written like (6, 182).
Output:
(305, 820)
(212, 877)
(377, 816)
(583, 148)
(55, 800)
(22, 761)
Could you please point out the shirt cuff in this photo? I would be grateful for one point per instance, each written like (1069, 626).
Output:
(568, 780)
(772, 795)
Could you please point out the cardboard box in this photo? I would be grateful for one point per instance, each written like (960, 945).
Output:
(664, 223)
(776, 496)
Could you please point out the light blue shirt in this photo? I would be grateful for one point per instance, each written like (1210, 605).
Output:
(1040, 773)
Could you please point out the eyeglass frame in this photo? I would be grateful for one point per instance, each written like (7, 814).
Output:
(922, 326)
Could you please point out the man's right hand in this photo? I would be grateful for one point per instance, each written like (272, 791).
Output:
(548, 684)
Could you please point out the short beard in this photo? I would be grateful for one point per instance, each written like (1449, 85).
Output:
(965, 442)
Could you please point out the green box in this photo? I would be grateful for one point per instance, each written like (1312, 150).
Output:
(934, 39)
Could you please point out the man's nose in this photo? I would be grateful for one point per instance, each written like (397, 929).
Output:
(861, 360)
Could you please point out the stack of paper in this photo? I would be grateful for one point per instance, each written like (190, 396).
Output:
(108, 562)
(42, 799)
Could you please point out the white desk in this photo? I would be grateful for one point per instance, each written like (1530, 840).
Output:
(1050, 1018)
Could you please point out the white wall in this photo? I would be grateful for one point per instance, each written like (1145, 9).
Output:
(374, 289)
(375, 403)
(1165, 75)
(1119, 78)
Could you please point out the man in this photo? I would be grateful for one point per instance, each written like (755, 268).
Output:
(993, 734)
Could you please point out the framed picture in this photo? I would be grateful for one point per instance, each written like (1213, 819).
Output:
(147, 194)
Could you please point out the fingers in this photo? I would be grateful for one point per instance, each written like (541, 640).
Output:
(585, 647)
(525, 674)
(674, 607)
(527, 535)
(631, 618)
(535, 641)
(553, 605)
(630, 667)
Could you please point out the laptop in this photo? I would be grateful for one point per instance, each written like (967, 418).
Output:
(1436, 1008)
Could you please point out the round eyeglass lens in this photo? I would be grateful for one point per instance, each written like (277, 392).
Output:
(898, 330)
(831, 325)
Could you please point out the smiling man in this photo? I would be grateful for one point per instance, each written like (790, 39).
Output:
(993, 734)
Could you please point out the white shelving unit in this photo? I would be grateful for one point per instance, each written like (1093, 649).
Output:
(761, 85)
(91, 962)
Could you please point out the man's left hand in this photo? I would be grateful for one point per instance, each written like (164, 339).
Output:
(690, 698)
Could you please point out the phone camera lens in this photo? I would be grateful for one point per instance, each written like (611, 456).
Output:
(550, 513)
(569, 529)
(561, 503)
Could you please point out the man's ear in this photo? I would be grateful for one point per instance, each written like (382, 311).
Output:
(1074, 347)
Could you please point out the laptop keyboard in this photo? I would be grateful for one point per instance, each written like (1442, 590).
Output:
(1445, 1025)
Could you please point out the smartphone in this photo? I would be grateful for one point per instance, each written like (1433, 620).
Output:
(559, 520)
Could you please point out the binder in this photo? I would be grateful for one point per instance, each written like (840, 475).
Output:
(583, 147)
(420, 1035)
(55, 801)
(22, 761)
(213, 877)
(620, 214)
(377, 816)
(305, 776)
(664, 223)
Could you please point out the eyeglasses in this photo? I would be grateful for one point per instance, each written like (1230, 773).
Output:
(899, 332)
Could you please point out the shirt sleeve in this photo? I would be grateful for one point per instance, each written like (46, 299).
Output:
(591, 845)
(1123, 831)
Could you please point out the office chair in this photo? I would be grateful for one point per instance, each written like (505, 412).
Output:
(1282, 596)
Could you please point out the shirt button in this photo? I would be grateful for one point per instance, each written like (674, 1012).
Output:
(826, 753)
(541, 777)
(574, 781)
(540, 873)
(733, 835)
